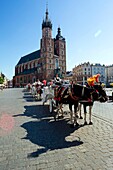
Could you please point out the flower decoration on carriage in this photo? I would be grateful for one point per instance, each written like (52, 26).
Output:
(93, 79)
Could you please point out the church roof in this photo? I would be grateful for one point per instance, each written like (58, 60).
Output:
(29, 57)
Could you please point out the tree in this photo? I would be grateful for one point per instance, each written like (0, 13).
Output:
(1, 80)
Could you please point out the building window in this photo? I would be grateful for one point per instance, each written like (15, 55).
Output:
(25, 80)
(17, 80)
(56, 63)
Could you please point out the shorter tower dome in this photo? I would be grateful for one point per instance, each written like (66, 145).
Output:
(58, 36)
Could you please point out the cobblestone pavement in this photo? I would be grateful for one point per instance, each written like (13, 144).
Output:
(30, 139)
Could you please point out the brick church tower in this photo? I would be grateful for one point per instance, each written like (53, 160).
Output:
(52, 51)
(44, 63)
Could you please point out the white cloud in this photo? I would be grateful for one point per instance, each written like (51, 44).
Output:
(97, 33)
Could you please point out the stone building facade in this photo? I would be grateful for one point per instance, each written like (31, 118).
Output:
(44, 63)
(109, 74)
(83, 71)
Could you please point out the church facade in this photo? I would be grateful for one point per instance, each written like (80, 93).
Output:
(44, 63)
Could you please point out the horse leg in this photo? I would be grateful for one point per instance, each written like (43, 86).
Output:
(80, 111)
(57, 109)
(71, 115)
(90, 122)
(62, 113)
(85, 122)
(75, 114)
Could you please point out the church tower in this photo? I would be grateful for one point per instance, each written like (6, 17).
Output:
(60, 51)
(47, 48)
(52, 51)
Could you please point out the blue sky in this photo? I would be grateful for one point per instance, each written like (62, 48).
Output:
(87, 26)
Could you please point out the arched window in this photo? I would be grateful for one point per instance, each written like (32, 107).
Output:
(56, 63)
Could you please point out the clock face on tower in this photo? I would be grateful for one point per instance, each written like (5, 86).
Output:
(46, 32)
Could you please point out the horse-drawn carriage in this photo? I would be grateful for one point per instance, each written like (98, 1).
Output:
(35, 89)
(73, 95)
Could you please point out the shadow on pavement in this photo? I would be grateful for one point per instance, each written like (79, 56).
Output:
(29, 97)
(47, 133)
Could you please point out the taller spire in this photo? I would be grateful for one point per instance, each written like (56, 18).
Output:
(46, 11)
(47, 21)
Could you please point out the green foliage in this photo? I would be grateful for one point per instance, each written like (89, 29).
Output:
(1, 80)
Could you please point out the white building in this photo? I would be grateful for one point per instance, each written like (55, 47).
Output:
(109, 74)
(98, 69)
(83, 71)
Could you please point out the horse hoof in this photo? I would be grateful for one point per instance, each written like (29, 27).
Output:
(81, 117)
(85, 123)
(77, 124)
(72, 125)
(90, 123)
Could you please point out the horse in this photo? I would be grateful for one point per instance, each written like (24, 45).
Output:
(102, 97)
(36, 90)
(28, 87)
(75, 94)
(62, 95)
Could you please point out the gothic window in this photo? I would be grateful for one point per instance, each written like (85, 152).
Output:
(25, 79)
(42, 43)
(46, 33)
(20, 69)
(56, 63)
(21, 80)
(17, 80)
(62, 45)
(26, 66)
(30, 65)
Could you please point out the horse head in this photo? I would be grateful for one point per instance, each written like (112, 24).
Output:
(101, 92)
